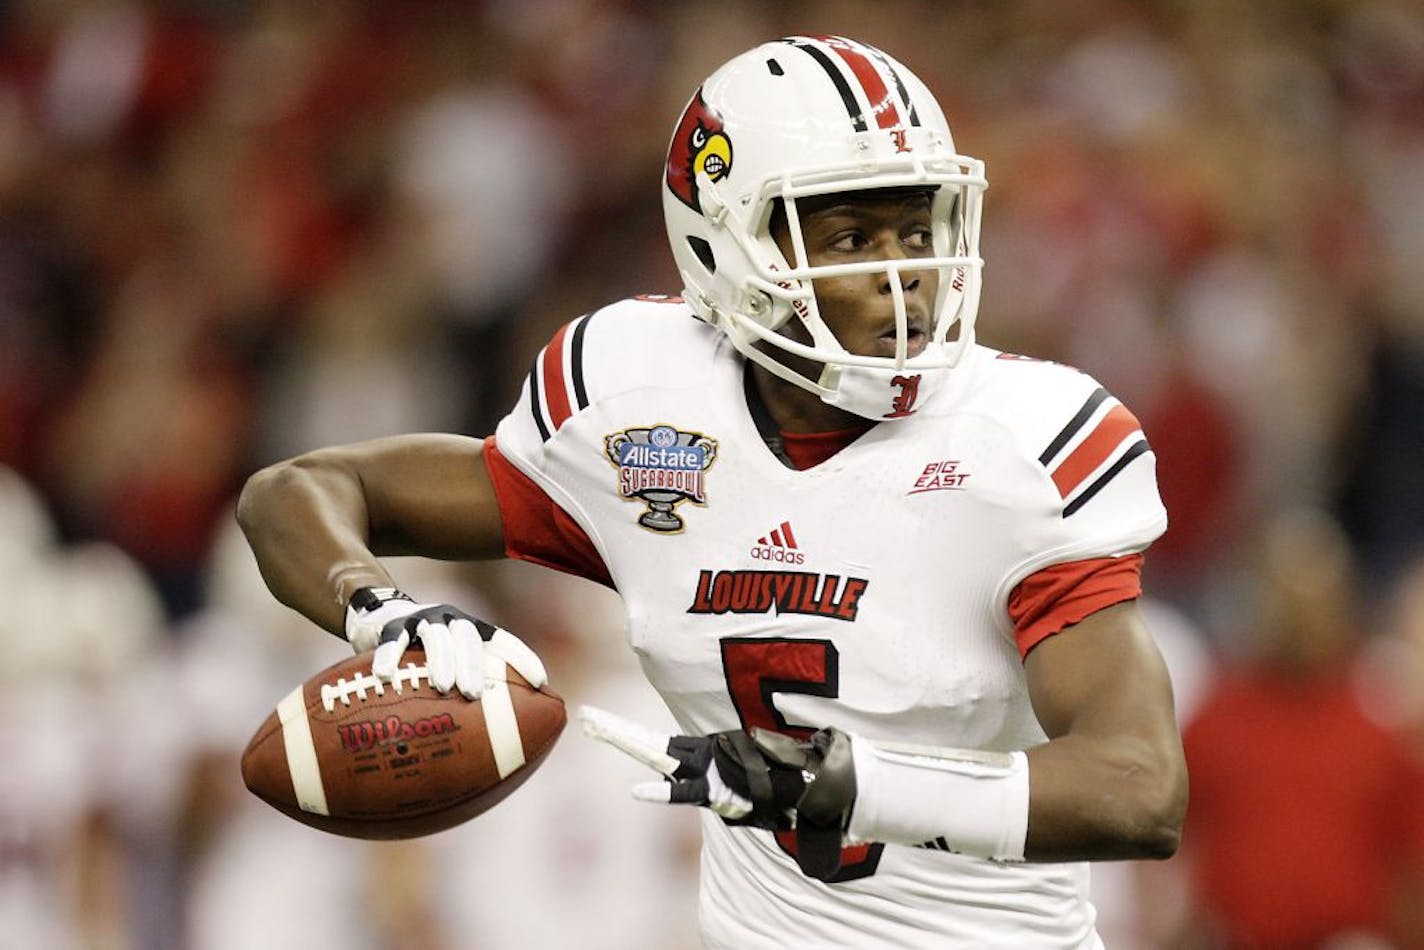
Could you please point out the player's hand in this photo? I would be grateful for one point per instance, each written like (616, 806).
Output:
(757, 778)
(387, 621)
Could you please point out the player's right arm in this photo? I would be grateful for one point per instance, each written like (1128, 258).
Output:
(318, 522)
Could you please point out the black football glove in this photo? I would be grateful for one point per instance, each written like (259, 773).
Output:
(758, 778)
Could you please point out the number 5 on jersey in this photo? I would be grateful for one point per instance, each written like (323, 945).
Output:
(756, 669)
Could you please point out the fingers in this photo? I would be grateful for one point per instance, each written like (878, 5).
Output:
(659, 793)
(691, 777)
(387, 656)
(467, 649)
(707, 790)
(721, 799)
(456, 646)
(517, 654)
(640, 742)
(435, 638)
(439, 654)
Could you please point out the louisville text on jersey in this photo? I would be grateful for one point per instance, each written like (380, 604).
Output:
(786, 592)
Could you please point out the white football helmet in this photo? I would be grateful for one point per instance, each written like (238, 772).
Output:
(808, 116)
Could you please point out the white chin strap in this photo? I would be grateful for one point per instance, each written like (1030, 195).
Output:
(879, 394)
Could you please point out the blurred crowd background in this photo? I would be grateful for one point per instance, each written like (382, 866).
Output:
(233, 230)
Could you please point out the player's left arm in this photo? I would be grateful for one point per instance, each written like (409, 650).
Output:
(1112, 781)
(1109, 784)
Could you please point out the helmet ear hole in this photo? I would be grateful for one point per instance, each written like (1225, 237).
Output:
(703, 250)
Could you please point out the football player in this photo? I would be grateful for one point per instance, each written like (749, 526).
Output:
(885, 578)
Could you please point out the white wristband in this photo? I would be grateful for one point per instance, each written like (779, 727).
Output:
(961, 800)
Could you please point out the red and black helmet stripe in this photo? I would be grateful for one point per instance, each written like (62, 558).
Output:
(900, 88)
(852, 107)
(884, 107)
(865, 66)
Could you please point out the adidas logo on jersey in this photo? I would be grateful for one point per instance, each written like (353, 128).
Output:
(778, 545)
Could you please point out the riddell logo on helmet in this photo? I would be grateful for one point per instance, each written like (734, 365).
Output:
(699, 146)
(778, 546)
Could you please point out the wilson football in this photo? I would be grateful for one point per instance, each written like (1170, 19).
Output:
(349, 754)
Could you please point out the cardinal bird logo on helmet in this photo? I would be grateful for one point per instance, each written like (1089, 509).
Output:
(700, 144)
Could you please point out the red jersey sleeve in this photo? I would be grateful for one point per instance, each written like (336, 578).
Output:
(535, 528)
(1059, 596)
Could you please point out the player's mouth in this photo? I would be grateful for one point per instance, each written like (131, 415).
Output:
(916, 339)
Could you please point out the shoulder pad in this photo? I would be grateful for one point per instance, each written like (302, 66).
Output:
(630, 344)
(1077, 432)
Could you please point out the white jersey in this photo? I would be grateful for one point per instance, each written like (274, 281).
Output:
(867, 593)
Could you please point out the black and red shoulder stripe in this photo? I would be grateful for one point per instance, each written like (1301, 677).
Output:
(1101, 440)
(556, 380)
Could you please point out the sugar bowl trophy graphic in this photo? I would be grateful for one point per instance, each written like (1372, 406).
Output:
(662, 467)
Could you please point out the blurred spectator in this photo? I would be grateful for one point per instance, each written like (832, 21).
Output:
(151, 436)
(1394, 679)
(77, 621)
(485, 176)
(28, 533)
(1383, 501)
(1305, 819)
(1395, 672)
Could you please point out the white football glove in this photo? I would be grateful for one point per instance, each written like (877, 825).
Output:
(387, 621)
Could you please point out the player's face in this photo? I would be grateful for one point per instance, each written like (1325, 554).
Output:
(859, 309)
